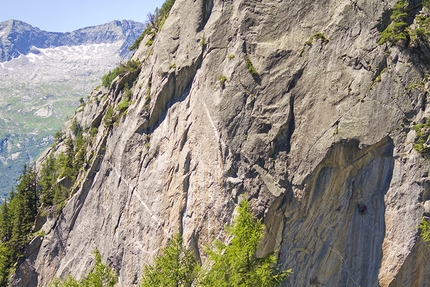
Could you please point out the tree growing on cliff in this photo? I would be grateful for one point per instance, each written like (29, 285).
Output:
(396, 31)
(154, 23)
(235, 263)
(232, 264)
(175, 266)
(26, 209)
(17, 216)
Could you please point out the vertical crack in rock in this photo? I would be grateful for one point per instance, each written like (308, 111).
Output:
(283, 139)
(291, 126)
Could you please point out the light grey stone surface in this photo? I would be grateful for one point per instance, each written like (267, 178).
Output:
(307, 141)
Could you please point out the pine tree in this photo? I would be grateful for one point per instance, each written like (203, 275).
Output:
(26, 208)
(47, 181)
(235, 263)
(6, 262)
(175, 266)
(5, 222)
(7, 253)
(396, 31)
(16, 218)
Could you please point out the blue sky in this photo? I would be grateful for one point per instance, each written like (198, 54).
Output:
(66, 16)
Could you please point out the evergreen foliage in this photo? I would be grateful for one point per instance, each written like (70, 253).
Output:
(399, 31)
(110, 117)
(317, 35)
(17, 215)
(175, 266)
(34, 193)
(47, 181)
(100, 275)
(250, 67)
(7, 256)
(26, 208)
(235, 263)
(422, 132)
(425, 230)
(65, 167)
(154, 24)
(396, 31)
(422, 29)
(131, 66)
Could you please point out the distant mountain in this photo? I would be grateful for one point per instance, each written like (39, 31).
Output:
(17, 37)
(43, 76)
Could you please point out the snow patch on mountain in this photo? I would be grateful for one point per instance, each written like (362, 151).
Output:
(44, 75)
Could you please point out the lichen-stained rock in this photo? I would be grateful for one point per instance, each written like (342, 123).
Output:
(292, 104)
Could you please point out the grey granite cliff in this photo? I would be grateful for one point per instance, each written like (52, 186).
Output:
(320, 128)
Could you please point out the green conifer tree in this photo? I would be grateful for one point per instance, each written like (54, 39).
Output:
(6, 262)
(26, 209)
(176, 266)
(7, 253)
(5, 222)
(47, 181)
(235, 264)
(396, 31)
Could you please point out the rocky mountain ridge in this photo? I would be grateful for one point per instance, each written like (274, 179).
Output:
(19, 38)
(294, 105)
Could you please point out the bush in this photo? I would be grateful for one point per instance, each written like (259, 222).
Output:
(154, 23)
(222, 79)
(425, 230)
(93, 131)
(110, 117)
(130, 66)
(250, 67)
(396, 31)
(123, 106)
(422, 135)
(317, 35)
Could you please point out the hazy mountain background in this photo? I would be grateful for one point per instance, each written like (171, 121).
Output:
(43, 77)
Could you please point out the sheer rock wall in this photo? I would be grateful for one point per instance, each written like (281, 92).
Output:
(321, 129)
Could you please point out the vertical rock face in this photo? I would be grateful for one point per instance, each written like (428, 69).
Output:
(322, 127)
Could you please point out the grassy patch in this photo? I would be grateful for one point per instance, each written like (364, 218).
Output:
(311, 39)
(317, 35)
(222, 79)
(250, 67)
(130, 66)
(421, 137)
